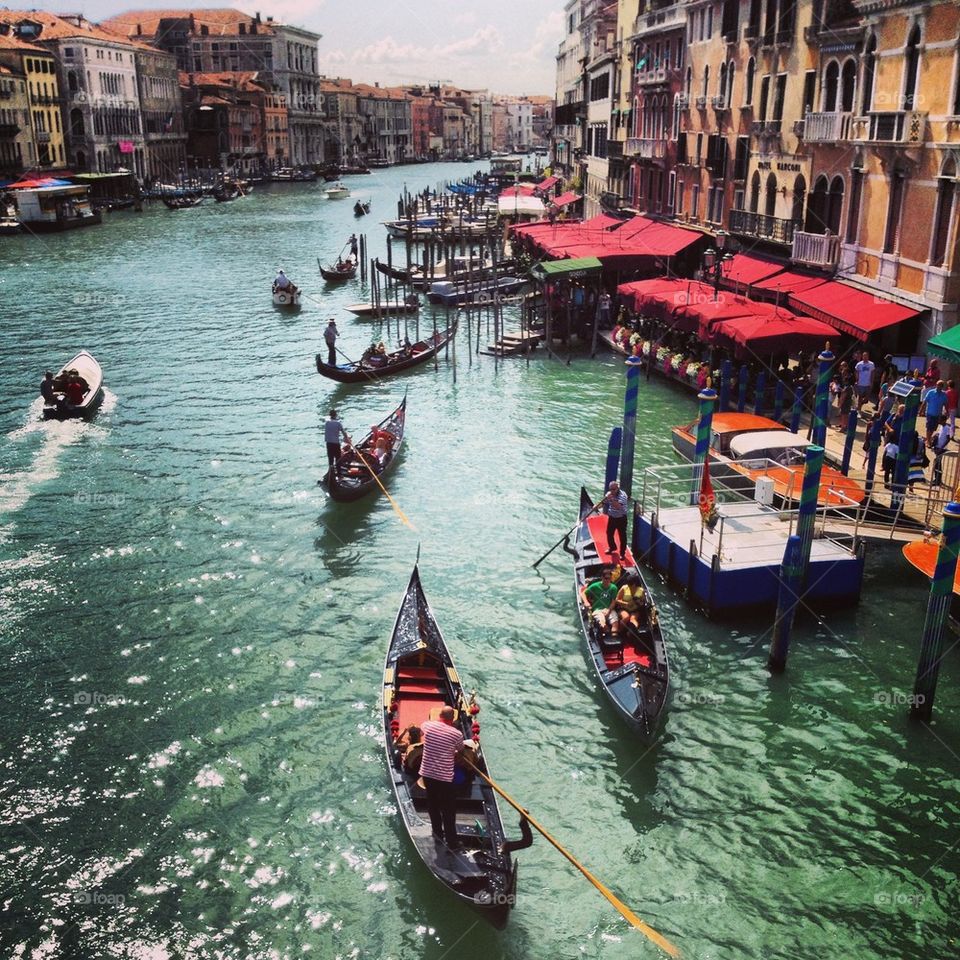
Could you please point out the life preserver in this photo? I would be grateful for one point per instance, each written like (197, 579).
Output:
(281, 298)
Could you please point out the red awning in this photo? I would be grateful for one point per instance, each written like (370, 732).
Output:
(548, 183)
(789, 281)
(744, 270)
(770, 331)
(662, 298)
(565, 198)
(849, 309)
(520, 190)
(701, 313)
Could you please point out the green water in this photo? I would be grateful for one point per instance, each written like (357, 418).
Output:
(192, 638)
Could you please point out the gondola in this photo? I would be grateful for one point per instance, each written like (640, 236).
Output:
(339, 273)
(89, 369)
(182, 203)
(419, 678)
(633, 669)
(363, 371)
(352, 479)
(361, 208)
(398, 273)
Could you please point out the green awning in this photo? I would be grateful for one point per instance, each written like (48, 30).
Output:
(946, 345)
(570, 268)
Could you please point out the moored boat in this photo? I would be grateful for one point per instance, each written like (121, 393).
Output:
(182, 203)
(87, 370)
(419, 679)
(337, 192)
(371, 458)
(632, 667)
(449, 293)
(368, 311)
(370, 369)
(340, 272)
(742, 446)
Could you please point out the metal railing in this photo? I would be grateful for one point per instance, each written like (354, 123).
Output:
(646, 147)
(762, 226)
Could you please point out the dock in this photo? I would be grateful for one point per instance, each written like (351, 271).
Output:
(514, 344)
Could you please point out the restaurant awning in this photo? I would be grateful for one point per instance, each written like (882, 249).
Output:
(790, 281)
(547, 183)
(849, 309)
(946, 345)
(569, 269)
(743, 270)
(520, 190)
(566, 198)
(769, 331)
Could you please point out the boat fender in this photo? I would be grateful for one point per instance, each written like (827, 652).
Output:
(475, 730)
(282, 297)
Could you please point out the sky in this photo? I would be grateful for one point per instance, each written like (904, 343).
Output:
(505, 46)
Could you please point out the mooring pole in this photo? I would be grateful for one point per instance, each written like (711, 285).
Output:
(758, 395)
(907, 445)
(938, 606)
(707, 398)
(797, 410)
(794, 568)
(778, 401)
(818, 437)
(613, 456)
(848, 442)
(630, 399)
(744, 380)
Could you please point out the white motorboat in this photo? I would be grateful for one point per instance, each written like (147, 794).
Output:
(337, 192)
(83, 367)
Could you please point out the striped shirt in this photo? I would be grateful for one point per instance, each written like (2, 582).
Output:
(440, 745)
(616, 507)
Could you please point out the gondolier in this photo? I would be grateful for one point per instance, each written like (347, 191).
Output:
(354, 248)
(330, 337)
(442, 745)
(615, 506)
(332, 431)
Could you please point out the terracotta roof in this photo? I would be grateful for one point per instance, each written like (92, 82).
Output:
(219, 21)
(222, 78)
(381, 93)
(15, 43)
(58, 28)
(331, 84)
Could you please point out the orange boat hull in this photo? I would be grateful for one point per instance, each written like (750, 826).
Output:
(922, 555)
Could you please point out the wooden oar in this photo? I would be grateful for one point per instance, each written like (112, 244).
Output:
(393, 503)
(567, 534)
(621, 907)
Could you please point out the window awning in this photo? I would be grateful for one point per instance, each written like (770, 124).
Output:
(849, 309)
(570, 268)
(547, 183)
(566, 198)
(946, 345)
(744, 270)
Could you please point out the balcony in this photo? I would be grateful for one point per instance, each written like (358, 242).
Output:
(891, 126)
(648, 148)
(43, 136)
(719, 104)
(657, 20)
(761, 226)
(9, 129)
(683, 101)
(701, 103)
(651, 77)
(815, 249)
(827, 127)
(765, 128)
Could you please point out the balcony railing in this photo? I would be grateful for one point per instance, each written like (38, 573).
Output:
(761, 226)
(43, 136)
(649, 148)
(827, 127)
(657, 20)
(815, 249)
(719, 104)
(701, 103)
(891, 126)
(683, 101)
(658, 75)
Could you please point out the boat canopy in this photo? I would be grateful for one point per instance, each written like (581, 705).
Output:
(569, 268)
(755, 444)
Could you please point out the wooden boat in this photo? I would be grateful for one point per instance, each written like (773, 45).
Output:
(87, 367)
(339, 272)
(370, 311)
(230, 190)
(377, 452)
(9, 226)
(419, 678)
(182, 203)
(742, 443)
(286, 298)
(632, 669)
(337, 192)
(449, 293)
(398, 273)
(363, 371)
(922, 556)
(361, 208)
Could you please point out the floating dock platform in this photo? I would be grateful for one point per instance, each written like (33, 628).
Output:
(733, 566)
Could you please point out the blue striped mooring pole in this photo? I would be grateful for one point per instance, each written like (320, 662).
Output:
(938, 606)
(613, 456)
(908, 443)
(818, 437)
(797, 410)
(707, 398)
(630, 400)
(848, 442)
(744, 380)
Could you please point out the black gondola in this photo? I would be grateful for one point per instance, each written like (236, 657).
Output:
(632, 668)
(182, 203)
(367, 371)
(361, 208)
(377, 452)
(338, 273)
(419, 678)
(398, 273)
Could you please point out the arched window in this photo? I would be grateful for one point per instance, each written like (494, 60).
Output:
(799, 197)
(751, 72)
(676, 117)
(856, 198)
(722, 81)
(81, 160)
(76, 122)
(770, 205)
(944, 217)
(817, 206)
(898, 188)
(706, 79)
(731, 68)
(689, 81)
(848, 84)
(755, 192)
(869, 72)
(911, 68)
(834, 205)
(831, 79)
(72, 84)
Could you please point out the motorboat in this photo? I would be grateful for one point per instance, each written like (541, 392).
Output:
(85, 368)
(337, 192)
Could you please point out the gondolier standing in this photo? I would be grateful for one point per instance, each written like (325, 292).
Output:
(332, 431)
(615, 507)
(354, 248)
(330, 336)
(442, 744)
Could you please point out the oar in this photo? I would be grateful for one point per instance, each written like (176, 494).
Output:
(567, 534)
(623, 909)
(393, 503)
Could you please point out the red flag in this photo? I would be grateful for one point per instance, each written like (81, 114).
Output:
(708, 502)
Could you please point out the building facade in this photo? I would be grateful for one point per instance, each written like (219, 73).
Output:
(162, 111)
(567, 137)
(16, 142)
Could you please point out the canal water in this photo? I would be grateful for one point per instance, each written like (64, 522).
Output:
(191, 639)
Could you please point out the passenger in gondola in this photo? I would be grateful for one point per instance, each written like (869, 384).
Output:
(410, 747)
(599, 598)
(631, 602)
